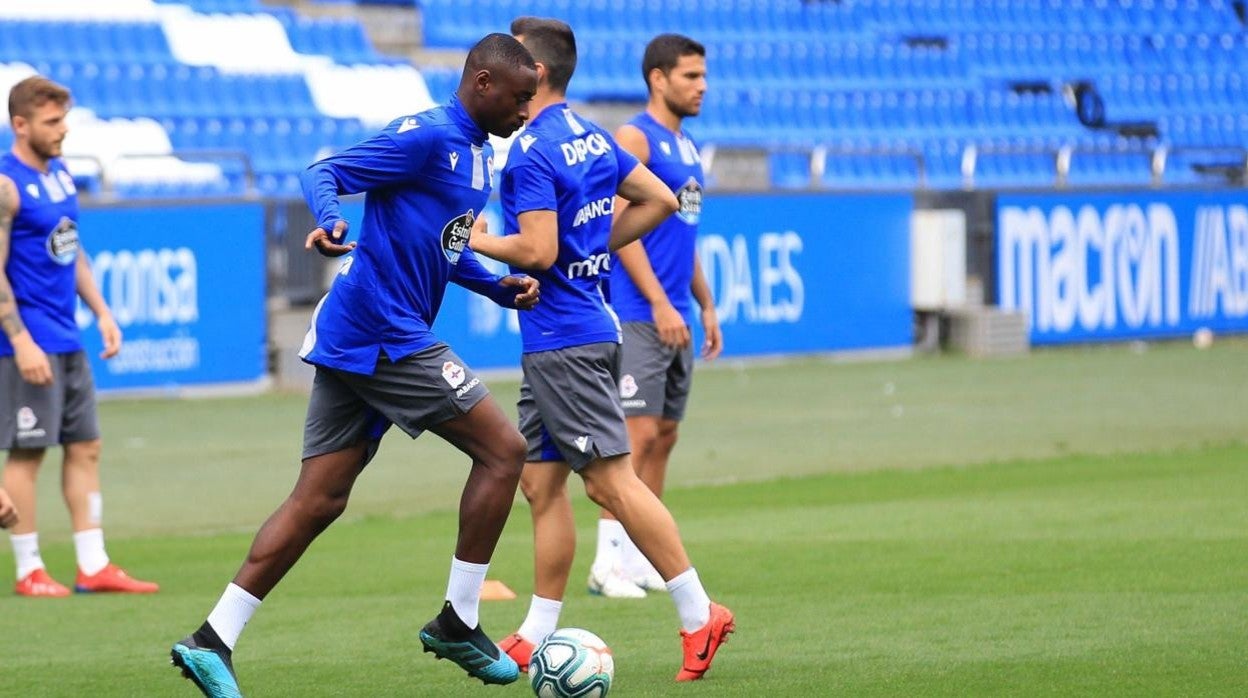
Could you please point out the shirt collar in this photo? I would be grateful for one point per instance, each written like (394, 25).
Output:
(465, 122)
(556, 108)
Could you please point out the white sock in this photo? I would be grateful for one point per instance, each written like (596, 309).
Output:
(89, 547)
(611, 538)
(633, 561)
(463, 589)
(232, 613)
(692, 603)
(26, 553)
(542, 620)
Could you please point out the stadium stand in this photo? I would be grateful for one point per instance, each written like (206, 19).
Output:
(881, 94)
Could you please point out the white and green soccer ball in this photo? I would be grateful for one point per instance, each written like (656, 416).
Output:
(571, 663)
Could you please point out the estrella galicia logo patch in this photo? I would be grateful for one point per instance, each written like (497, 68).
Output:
(690, 198)
(455, 236)
(63, 242)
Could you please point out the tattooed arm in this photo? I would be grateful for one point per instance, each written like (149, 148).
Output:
(10, 321)
(31, 360)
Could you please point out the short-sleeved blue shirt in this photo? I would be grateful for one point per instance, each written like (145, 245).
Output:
(569, 165)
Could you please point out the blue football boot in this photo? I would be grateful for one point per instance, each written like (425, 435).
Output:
(448, 638)
(204, 659)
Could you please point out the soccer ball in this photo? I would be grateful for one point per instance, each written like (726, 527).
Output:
(571, 663)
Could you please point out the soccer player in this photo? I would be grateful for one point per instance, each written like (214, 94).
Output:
(651, 296)
(378, 363)
(47, 397)
(557, 190)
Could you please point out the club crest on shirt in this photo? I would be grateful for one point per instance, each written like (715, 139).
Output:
(690, 198)
(455, 236)
(63, 242)
(453, 373)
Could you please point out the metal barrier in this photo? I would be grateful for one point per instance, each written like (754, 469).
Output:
(1062, 157)
(107, 192)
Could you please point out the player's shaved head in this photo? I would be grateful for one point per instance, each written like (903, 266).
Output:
(499, 81)
(552, 44)
(496, 52)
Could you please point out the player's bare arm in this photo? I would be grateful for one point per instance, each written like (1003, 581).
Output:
(668, 322)
(31, 361)
(650, 201)
(535, 247)
(84, 282)
(713, 342)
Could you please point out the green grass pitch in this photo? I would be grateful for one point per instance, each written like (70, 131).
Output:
(1069, 523)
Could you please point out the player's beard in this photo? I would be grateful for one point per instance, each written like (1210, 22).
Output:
(46, 149)
(681, 110)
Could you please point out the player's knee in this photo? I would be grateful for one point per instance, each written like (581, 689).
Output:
(536, 493)
(644, 431)
(514, 450)
(322, 510)
(83, 453)
(30, 458)
(606, 490)
(666, 440)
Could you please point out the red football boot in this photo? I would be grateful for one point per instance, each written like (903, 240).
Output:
(113, 579)
(700, 646)
(519, 649)
(38, 583)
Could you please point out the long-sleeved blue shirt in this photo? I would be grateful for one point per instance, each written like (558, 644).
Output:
(427, 177)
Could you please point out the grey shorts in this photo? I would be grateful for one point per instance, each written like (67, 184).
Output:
(655, 379)
(40, 416)
(569, 406)
(416, 393)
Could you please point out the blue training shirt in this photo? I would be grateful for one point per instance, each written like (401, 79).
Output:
(569, 165)
(672, 245)
(427, 177)
(43, 254)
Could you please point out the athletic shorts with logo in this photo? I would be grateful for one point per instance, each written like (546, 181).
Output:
(655, 379)
(41, 416)
(417, 393)
(569, 405)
